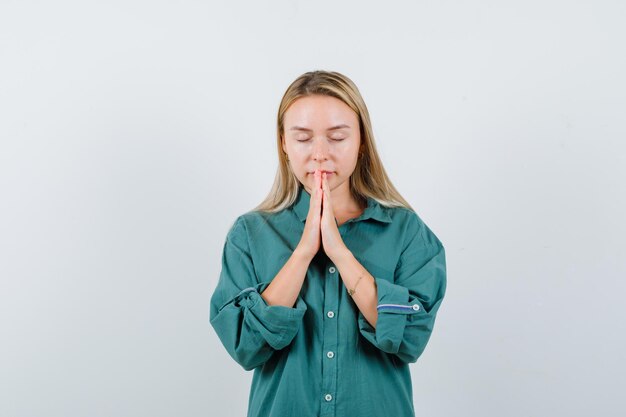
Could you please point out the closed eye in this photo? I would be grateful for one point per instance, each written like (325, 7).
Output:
(306, 140)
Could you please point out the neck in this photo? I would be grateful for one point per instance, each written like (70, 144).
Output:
(343, 201)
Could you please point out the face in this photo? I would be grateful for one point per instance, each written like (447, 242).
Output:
(321, 132)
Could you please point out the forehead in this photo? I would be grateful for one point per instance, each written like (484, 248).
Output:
(319, 111)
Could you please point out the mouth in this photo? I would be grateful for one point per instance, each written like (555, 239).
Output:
(327, 172)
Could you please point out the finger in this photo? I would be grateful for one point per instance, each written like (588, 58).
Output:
(319, 180)
(315, 194)
(324, 192)
(326, 186)
(318, 196)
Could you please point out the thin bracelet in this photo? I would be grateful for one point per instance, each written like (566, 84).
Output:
(353, 289)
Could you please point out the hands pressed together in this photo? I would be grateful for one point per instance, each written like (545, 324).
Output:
(321, 226)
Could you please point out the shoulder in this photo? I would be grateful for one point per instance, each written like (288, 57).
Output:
(415, 227)
(249, 222)
(237, 232)
(405, 218)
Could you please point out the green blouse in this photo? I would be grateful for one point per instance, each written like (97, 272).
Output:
(322, 357)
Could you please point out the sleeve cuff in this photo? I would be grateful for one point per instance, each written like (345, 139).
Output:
(277, 325)
(393, 307)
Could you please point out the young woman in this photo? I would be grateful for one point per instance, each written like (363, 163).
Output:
(330, 287)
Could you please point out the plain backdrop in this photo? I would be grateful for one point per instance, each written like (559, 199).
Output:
(133, 133)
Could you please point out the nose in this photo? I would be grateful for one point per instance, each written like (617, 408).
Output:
(320, 150)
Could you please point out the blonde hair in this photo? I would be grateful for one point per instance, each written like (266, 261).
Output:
(369, 178)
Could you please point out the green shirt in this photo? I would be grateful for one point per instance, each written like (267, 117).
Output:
(322, 357)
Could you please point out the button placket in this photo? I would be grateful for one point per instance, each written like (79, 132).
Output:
(332, 288)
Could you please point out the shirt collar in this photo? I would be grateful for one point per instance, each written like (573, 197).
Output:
(374, 209)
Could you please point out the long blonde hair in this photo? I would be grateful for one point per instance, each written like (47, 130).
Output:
(369, 178)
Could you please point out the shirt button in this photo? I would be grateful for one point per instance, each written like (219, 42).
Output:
(331, 269)
(330, 314)
(328, 397)
(416, 307)
(330, 354)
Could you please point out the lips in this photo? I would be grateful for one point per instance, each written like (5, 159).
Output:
(327, 172)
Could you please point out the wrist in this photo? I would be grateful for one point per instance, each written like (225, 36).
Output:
(302, 254)
(341, 256)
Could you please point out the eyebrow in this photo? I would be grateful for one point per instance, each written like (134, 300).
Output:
(341, 126)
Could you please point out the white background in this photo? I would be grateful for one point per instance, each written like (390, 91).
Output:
(133, 133)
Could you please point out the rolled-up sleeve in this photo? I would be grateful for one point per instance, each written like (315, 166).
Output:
(407, 307)
(249, 328)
